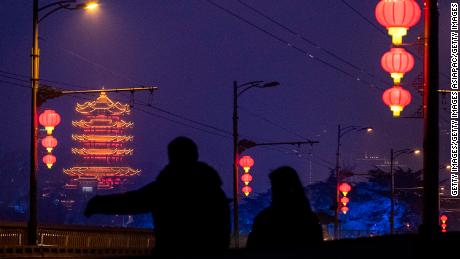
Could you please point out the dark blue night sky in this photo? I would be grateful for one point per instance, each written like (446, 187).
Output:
(193, 51)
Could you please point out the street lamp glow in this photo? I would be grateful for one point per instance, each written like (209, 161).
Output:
(417, 151)
(369, 130)
(91, 6)
(448, 167)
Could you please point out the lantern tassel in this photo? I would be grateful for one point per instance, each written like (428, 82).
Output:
(397, 33)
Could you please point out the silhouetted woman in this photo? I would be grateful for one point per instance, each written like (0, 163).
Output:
(289, 221)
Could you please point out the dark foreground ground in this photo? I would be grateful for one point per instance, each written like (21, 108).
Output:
(401, 246)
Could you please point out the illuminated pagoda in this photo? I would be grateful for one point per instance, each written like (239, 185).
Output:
(101, 150)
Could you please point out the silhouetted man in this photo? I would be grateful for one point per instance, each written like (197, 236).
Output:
(190, 210)
(289, 221)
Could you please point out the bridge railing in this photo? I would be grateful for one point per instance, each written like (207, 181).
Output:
(15, 234)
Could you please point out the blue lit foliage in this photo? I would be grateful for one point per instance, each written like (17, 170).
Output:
(369, 203)
(250, 207)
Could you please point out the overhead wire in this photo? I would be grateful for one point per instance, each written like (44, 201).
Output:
(311, 42)
(295, 47)
(214, 130)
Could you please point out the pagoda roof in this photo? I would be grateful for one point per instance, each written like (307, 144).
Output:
(103, 104)
(97, 172)
(102, 138)
(103, 151)
(98, 123)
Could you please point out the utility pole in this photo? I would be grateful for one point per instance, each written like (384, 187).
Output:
(392, 209)
(430, 225)
(36, 19)
(32, 222)
(340, 133)
(236, 94)
(236, 228)
(337, 180)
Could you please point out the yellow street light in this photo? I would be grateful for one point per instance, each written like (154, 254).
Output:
(417, 151)
(91, 6)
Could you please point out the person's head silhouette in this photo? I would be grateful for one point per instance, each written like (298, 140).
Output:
(287, 190)
(182, 150)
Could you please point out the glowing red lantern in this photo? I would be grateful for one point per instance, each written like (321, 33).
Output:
(49, 160)
(49, 119)
(246, 190)
(246, 162)
(246, 178)
(397, 98)
(344, 210)
(443, 218)
(344, 201)
(49, 142)
(397, 61)
(344, 188)
(397, 16)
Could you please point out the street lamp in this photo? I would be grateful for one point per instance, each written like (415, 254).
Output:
(238, 90)
(394, 155)
(340, 133)
(39, 14)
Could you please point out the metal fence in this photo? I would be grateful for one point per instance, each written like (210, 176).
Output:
(15, 234)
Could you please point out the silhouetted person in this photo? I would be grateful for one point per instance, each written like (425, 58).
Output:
(289, 221)
(189, 209)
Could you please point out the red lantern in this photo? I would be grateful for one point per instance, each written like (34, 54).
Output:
(246, 190)
(344, 201)
(397, 61)
(49, 119)
(49, 160)
(49, 142)
(344, 188)
(397, 98)
(397, 16)
(246, 178)
(443, 218)
(246, 162)
(344, 210)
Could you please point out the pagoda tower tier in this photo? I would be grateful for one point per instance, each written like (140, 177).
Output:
(100, 139)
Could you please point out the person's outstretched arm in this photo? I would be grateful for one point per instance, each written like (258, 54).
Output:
(133, 202)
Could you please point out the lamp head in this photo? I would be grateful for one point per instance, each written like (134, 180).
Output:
(89, 5)
(271, 84)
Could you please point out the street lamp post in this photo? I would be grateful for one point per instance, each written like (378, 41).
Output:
(340, 133)
(394, 155)
(56, 6)
(236, 94)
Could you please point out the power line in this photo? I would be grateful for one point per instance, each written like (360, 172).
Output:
(293, 46)
(16, 84)
(144, 104)
(379, 29)
(310, 41)
(292, 132)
